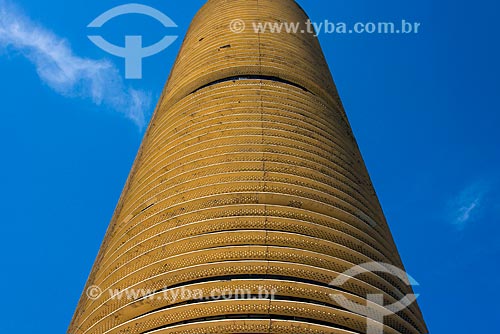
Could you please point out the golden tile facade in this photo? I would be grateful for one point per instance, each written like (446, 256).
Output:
(248, 178)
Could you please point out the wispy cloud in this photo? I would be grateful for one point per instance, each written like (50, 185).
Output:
(467, 205)
(66, 73)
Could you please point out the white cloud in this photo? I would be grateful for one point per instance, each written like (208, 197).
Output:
(67, 73)
(467, 206)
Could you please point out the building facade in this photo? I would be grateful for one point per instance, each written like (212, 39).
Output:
(248, 196)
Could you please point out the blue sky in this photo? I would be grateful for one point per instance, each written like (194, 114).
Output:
(424, 108)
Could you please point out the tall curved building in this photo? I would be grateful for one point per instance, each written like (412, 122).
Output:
(248, 196)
